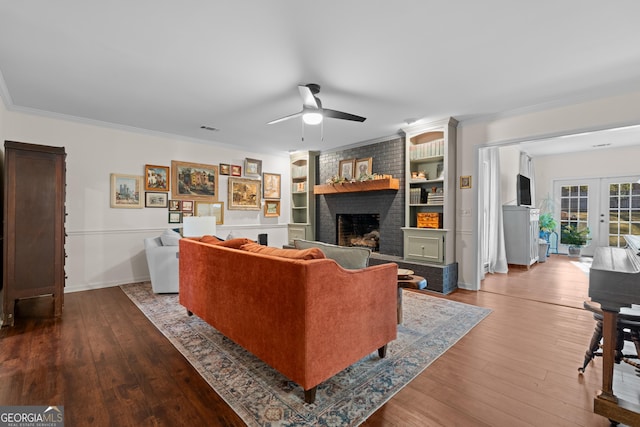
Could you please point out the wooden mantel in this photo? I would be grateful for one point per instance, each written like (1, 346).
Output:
(358, 186)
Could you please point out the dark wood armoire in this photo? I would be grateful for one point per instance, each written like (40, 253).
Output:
(34, 225)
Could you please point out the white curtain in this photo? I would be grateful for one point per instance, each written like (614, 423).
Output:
(492, 234)
(526, 169)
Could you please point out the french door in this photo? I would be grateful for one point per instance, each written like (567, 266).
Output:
(620, 210)
(609, 207)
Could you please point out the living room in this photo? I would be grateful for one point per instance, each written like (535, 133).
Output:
(104, 245)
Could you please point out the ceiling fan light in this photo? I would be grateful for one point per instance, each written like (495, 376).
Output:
(312, 118)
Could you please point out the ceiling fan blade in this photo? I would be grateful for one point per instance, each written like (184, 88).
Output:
(308, 99)
(282, 119)
(341, 115)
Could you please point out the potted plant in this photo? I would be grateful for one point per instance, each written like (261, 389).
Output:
(575, 238)
(547, 224)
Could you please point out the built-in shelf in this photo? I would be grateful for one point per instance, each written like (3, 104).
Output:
(359, 186)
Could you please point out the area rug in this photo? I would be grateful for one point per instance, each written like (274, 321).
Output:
(584, 264)
(261, 396)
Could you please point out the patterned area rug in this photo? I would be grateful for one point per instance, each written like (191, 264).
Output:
(262, 396)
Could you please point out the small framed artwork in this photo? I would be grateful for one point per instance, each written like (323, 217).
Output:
(271, 208)
(194, 181)
(175, 217)
(252, 167)
(211, 209)
(465, 181)
(346, 169)
(154, 199)
(271, 185)
(126, 191)
(363, 167)
(187, 206)
(156, 178)
(175, 205)
(186, 214)
(236, 170)
(244, 194)
(225, 169)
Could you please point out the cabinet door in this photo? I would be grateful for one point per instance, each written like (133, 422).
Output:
(424, 248)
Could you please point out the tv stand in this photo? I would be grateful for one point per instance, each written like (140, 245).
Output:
(521, 233)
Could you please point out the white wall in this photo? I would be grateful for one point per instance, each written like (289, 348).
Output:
(588, 164)
(105, 245)
(614, 111)
(509, 169)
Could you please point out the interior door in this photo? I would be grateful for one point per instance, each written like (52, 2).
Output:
(619, 210)
(578, 202)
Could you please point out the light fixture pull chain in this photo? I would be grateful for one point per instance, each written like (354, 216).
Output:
(302, 130)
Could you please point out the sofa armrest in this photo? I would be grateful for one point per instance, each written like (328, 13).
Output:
(163, 268)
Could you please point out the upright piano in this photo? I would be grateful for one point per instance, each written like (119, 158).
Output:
(614, 282)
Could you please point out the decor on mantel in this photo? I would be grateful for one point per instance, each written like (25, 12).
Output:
(358, 186)
(262, 396)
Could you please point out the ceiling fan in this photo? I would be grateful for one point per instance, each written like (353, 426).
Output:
(312, 112)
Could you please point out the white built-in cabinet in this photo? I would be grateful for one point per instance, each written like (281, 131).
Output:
(521, 234)
(430, 189)
(303, 208)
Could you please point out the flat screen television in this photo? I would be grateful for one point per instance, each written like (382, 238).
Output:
(524, 190)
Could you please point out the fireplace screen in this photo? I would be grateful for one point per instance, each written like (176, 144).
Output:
(361, 230)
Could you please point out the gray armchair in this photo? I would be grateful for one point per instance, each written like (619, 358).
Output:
(162, 258)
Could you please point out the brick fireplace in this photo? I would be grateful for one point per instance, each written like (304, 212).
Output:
(359, 230)
(388, 158)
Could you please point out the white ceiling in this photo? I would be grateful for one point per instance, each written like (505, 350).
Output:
(170, 67)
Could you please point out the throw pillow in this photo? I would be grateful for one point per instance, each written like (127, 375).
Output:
(210, 239)
(170, 238)
(351, 258)
(311, 253)
(233, 243)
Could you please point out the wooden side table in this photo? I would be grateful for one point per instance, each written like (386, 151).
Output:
(408, 281)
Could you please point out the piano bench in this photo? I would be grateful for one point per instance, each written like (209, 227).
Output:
(625, 321)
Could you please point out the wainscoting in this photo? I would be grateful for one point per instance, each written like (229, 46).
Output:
(105, 258)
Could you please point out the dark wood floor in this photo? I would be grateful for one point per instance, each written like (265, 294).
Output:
(109, 366)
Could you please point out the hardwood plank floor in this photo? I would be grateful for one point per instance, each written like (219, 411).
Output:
(109, 366)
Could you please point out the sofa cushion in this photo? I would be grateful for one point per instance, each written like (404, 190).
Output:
(311, 253)
(210, 239)
(233, 243)
(170, 238)
(346, 257)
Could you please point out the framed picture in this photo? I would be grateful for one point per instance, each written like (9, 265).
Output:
(154, 199)
(465, 181)
(187, 206)
(236, 170)
(271, 185)
(175, 205)
(346, 169)
(225, 169)
(363, 167)
(175, 217)
(126, 191)
(156, 178)
(186, 214)
(244, 194)
(211, 209)
(271, 208)
(194, 181)
(252, 167)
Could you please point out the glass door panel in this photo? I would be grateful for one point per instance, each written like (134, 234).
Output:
(623, 206)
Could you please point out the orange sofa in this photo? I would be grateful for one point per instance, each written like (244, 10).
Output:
(296, 310)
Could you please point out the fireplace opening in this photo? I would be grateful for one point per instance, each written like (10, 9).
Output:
(362, 230)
